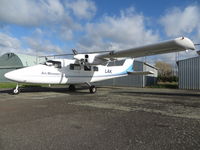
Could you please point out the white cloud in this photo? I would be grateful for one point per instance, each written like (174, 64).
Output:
(66, 33)
(181, 22)
(83, 9)
(126, 31)
(8, 43)
(35, 45)
(12, 44)
(54, 15)
(178, 22)
(35, 12)
(40, 45)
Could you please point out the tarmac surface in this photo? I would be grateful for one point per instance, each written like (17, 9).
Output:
(114, 118)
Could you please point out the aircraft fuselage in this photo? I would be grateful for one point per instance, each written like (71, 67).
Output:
(66, 71)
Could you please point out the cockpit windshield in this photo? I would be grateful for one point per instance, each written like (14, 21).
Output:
(56, 64)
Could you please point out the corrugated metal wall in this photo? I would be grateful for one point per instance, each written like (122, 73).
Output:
(133, 80)
(150, 79)
(189, 73)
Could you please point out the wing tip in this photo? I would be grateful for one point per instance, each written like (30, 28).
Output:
(185, 43)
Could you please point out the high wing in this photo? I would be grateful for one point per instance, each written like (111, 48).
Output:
(178, 44)
(175, 45)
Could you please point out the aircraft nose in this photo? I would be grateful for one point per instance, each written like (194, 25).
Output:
(9, 75)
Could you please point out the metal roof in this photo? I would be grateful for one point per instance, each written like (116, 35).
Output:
(13, 60)
(28, 60)
(188, 59)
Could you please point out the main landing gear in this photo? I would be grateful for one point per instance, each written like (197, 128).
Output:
(72, 88)
(16, 90)
(92, 88)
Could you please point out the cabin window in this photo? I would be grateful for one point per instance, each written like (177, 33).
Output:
(116, 63)
(95, 68)
(56, 64)
(74, 67)
(87, 68)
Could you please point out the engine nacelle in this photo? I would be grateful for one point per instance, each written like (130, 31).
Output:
(90, 59)
(86, 58)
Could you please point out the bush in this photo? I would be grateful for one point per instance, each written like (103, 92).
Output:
(167, 79)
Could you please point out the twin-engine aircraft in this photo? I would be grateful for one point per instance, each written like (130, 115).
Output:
(92, 67)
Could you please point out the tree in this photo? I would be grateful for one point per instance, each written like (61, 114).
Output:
(164, 69)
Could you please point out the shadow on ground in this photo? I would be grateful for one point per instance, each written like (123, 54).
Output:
(156, 93)
(79, 90)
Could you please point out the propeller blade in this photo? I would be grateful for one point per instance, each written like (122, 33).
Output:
(74, 51)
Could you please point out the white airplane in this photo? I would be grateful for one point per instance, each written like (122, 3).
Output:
(92, 67)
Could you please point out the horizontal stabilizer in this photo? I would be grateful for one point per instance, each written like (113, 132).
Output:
(141, 72)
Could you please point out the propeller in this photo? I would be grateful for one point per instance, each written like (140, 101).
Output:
(75, 52)
(81, 61)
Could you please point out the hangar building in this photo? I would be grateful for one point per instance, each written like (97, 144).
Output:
(135, 80)
(189, 73)
(12, 61)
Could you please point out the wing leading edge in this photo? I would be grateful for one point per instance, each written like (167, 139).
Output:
(178, 44)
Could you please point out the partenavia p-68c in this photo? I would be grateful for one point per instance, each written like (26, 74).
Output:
(92, 67)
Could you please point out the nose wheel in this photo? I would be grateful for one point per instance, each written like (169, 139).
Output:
(16, 90)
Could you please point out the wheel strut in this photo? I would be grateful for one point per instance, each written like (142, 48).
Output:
(16, 90)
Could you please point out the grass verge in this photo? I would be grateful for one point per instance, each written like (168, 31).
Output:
(13, 85)
(168, 85)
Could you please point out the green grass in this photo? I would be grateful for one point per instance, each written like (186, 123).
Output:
(12, 85)
(7, 85)
(168, 85)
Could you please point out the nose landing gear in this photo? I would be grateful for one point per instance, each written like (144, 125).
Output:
(16, 90)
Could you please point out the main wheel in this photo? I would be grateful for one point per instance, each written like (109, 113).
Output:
(93, 89)
(72, 87)
(16, 91)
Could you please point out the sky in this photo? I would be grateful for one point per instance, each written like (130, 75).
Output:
(46, 27)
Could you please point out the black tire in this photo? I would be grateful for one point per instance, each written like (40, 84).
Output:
(72, 88)
(93, 89)
(15, 91)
